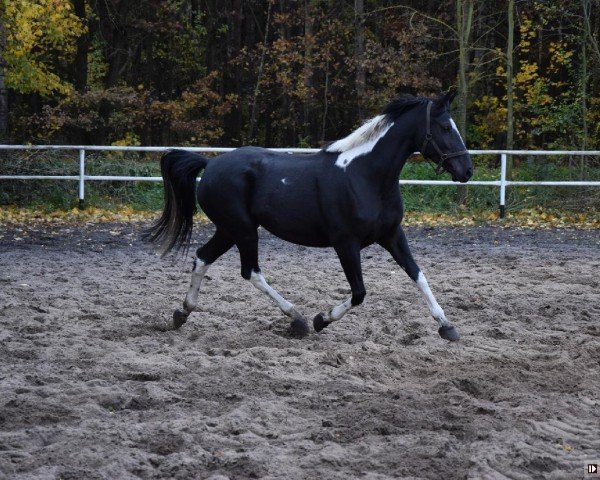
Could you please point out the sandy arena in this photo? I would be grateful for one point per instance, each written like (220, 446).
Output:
(95, 385)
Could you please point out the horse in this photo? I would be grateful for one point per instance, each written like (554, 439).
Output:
(345, 196)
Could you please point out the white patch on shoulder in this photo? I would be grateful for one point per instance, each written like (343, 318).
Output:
(361, 141)
(285, 181)
(456, 130)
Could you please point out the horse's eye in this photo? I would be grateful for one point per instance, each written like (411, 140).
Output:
(447, 128)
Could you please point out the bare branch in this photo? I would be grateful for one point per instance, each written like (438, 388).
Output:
(415, 12)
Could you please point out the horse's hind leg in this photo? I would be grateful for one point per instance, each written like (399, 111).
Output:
(248, 247)
(397, 245)
(205, 256)
(349, 256)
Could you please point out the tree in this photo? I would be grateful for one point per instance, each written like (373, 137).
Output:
(359, 55)
(39, 36)
(298, 72)
(308, 68)
(509, 83)
(585, 35)
(3, 91)
(80, 64)
(464, 23)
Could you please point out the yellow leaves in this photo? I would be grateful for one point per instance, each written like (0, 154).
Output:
(527, 34)
(129, 139)
(490, 118)
(418, 219)
(527, 73)
(534, 218)
(35, 32)
(560, 56)
(527, 28)
(27, 77)
(542, 100)
(14, 215)
(541, 218)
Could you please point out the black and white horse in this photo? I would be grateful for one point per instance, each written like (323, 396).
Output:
(346, 196)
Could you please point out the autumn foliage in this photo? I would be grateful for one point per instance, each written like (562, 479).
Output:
(297, 73)
(287, 72)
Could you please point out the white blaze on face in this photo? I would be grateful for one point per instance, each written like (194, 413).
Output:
(361, 141)
(455, 128)
(434, 307)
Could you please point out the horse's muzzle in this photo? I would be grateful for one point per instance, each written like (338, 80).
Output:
(464, 178)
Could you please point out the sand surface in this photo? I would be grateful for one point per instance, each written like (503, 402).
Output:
(94, 384)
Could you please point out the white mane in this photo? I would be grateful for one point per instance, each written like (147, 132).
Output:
(369, 130)
(361, 141)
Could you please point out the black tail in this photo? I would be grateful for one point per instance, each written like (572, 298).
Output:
(174, 228)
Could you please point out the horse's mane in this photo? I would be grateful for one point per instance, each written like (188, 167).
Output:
(373, 128)
(403, 103)
(370, 130)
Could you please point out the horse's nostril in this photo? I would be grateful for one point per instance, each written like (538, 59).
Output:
(470, 172)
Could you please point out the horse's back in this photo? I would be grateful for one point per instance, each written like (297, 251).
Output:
(276, 190)
(255, 165)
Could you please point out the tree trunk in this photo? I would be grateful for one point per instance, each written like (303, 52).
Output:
(212, 53)
(359, 55)
(509, 85)
(584, 80)
(464, 14)
(115, 37)
(3, 92)
(308, 70)
(288, 136)
(232, 71)
(194, 9)
(261, 67)
(325, 103)
(464, 22)
(80, 66)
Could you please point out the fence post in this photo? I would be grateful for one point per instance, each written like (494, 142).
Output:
(82, 179)
(502, 185)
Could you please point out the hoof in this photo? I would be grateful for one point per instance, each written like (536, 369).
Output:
(319, 322)
(179, 318)
(299, 327)
(449, 332)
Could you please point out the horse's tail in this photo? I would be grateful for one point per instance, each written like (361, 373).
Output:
(173, 229)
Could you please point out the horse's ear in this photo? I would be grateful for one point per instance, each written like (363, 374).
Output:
(449, 96)
(445, 99)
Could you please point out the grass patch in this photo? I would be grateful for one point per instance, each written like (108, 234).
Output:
(126, 199)
(444, 199)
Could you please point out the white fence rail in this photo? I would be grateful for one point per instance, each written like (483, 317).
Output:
(502, 182)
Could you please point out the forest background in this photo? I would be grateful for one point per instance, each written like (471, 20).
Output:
(300, 73)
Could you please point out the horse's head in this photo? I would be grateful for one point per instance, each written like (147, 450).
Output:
(442, 143)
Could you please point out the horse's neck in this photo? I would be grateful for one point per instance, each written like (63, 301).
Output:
(388, 158)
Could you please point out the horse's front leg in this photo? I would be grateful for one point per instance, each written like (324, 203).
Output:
(349, 256)
(397, 245)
